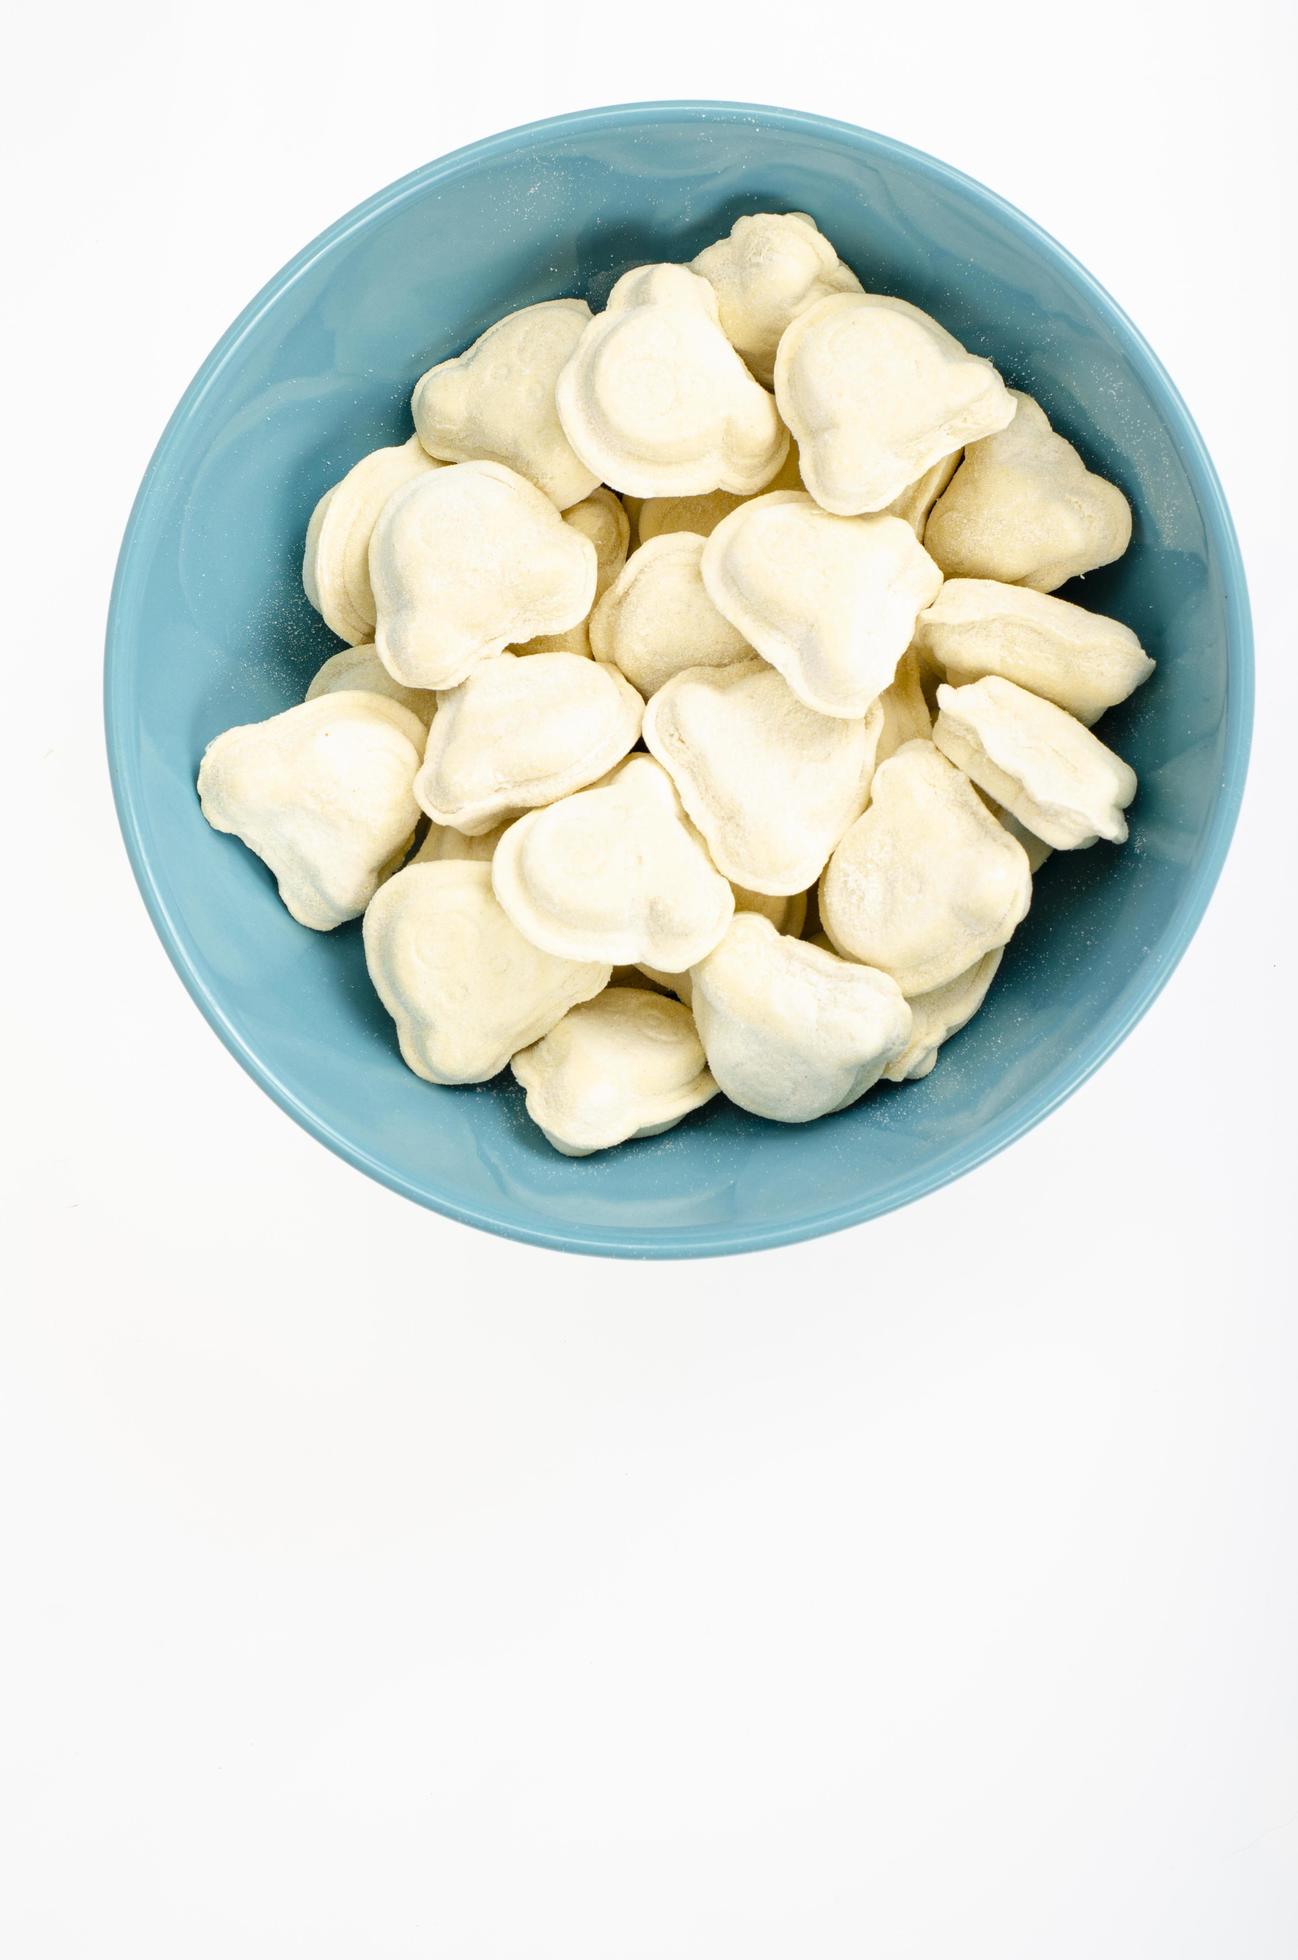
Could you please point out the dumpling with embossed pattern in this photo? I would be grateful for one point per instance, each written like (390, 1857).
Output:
(792, 1032)
(627, 1064)
(830, 601)
(519, 733)
(615, 873)
(657, 618)
(927, 881)
(876, 393)
(464, 987)
(656, 401)
(324, 794)
(771, 785)
(495, 402)
(771, 268)
(466, 562)
(1024, 508)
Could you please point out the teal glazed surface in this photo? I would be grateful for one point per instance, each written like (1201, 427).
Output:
(209, 627)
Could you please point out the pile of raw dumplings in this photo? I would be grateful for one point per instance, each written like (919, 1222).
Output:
(751, 808)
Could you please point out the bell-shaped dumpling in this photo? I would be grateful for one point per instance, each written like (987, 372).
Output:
(926, 881)
(1024, 508)
(466, 562)
(1078, 659)
(495, 402)
(464, 987)
(615, 873)
(792, 1032)
(876, 393)
(519, 733)
(657, 619)
(656, 401)
(1051, 773)
(324, 794)
(627, 1064)
(830, 601)
(771, 785)
(771, 268)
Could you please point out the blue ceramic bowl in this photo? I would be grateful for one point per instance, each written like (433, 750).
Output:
(209, 627)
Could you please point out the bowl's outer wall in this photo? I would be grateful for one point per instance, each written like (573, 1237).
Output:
(210, 627)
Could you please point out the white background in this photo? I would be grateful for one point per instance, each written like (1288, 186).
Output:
(370, 1588)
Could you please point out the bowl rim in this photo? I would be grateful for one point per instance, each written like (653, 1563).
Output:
(692, 1241)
